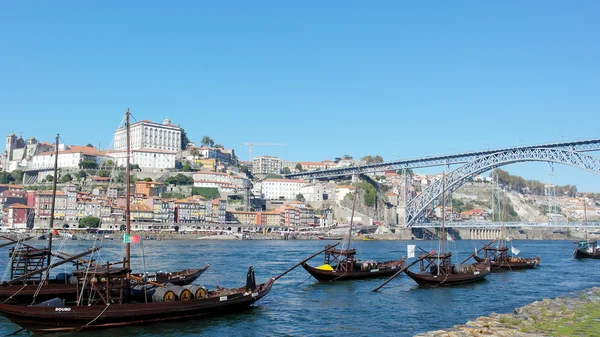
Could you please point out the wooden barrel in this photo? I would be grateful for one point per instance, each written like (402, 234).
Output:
(180, 292)
(163, 295)
(197, 291)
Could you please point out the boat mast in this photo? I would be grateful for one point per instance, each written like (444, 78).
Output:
(502, 243)
(53, 198)
(352, 215)
(128, 196)
(585, 223)
(443, 213)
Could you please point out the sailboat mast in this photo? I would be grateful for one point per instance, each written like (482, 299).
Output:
(352, 215)
(502, 243)
(443, 212)
(585, 223)
(128, 196)
(53, 198)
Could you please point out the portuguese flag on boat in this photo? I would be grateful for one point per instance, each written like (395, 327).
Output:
(131, 238)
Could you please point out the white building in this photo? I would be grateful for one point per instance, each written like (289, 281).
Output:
(275, 188)
(68, 157)
(266, 165)
(313, 192)
(152, 145)
(342, 191)
(225, 182)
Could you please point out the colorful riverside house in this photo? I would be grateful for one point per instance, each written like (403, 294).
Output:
(149, 188)
(43, 204)
(18, 216)
(187, 210)
(270, 218)
(141, 213)
(246, 218)
(219, 210)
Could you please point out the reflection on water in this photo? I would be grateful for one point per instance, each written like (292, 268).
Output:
(300, 307)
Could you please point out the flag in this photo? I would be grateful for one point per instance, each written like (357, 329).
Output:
(514, 250)
(410, 251)
(54, 231)
(449, 237)
(130, 238)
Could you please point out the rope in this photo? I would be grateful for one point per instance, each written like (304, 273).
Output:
(15, 332)
(18, 291)
(87, 270)
(46, 275)
(92, 321)
(304, 281)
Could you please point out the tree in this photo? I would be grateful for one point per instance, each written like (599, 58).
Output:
(286, 170)
(81, 174)
(370, 194)
(184, 139)
(180, 179)
(347, 157)
(337, 160)
(108, 163)
(219, 146)
(49, 178)
(409, 172)
(17, 176)
(300, 197)
(89, 222)
(6, 178)
(66, 178)
(148, 179)
(89, 145)
(299, 167)
(206, 192)
(372, 160)
(134, 167)
(103, 173)
(207, 141)
(88, 164)
(195, 153)
(187, 168)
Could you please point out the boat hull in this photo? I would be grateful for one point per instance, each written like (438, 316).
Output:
(21, 294)
(497, 265)
(39, 319)
(584, 254)
(428, 279)
(385, 269)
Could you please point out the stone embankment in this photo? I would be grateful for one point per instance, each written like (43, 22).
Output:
(574, 315)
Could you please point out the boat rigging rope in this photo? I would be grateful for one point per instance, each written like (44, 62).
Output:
(304, 280)
(87, 270)
(15, 332)
(92, 321)
(46, 275)
(18, 291)
(18, 246)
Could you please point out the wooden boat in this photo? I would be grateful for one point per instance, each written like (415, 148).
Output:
(327, 237)
(499, 257)
(500, 260)
(586, 249)
(107, 298)
(437, 269)
(341, 264)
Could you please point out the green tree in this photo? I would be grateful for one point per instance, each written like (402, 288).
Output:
(18, 176)
(187, 168)
(286, 170)
(108, 163)
(206, 192)
(195, 153)
(184, 139)
(179, 179)
(148, 179)
(372, 160)
(369, 193)
(299, 167)
(104, 173)
(88, 164)
(134, 167)
(207, 141)
(66, 178)
(89, 222)
(49, 178)
(300, 197)
(273, 176)
(6, 178)
(81, 174)
(347, 157)
(219, 146)
(90, 145)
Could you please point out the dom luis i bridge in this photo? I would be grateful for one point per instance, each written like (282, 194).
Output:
(572, 153)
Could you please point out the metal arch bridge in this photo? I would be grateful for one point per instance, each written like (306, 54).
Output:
(513, 224)
(430, 198)
(461, 158)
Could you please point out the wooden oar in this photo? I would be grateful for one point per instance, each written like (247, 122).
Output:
(403, 269)
(79, 259)
(482, 248)
(12, 241)
(301, 262)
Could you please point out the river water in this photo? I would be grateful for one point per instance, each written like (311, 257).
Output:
(299, 306)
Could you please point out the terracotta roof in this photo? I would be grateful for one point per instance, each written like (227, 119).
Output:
(46, 192)
(20, 206)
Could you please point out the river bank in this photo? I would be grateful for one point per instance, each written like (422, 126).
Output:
(577, 314)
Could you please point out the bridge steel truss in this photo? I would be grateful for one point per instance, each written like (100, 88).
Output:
(511, 224)
(461, 158)
(418, 207)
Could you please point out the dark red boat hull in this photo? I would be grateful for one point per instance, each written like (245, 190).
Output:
(385, 269)
(584, 254)
(38, 319)
(529, 263)
(428, 279)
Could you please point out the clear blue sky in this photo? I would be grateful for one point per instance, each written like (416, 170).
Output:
(326, 78)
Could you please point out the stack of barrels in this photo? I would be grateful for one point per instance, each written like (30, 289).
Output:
(167, 293)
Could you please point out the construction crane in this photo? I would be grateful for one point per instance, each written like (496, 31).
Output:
(250, 144)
